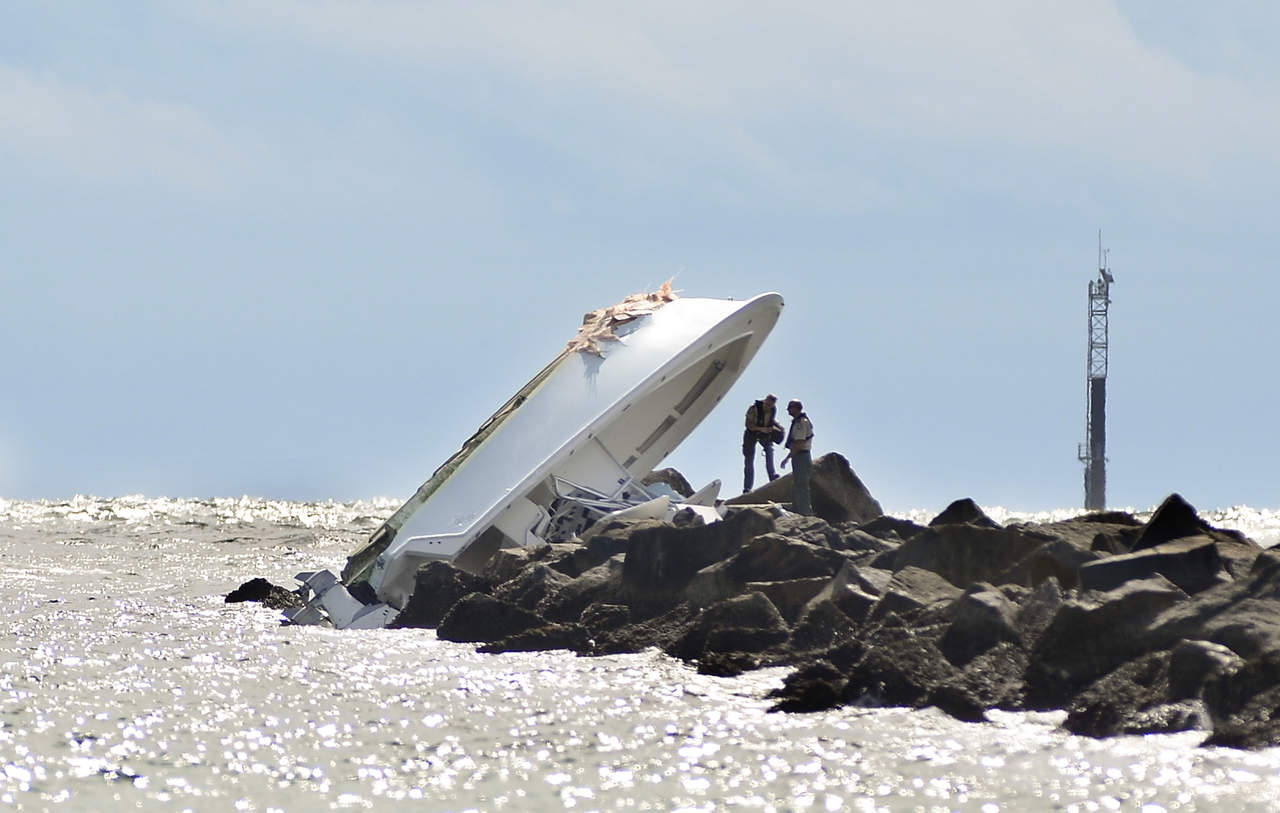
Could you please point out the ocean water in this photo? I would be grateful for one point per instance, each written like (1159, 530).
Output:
(127, 682)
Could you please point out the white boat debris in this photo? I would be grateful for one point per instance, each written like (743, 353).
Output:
(569, 449)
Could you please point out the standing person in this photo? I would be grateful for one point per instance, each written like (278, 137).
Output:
(761, 425)
(799, 442)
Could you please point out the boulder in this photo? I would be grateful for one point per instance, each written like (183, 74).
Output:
(506, 563)
(661, 631)
(746, 623)
(437, 586)
(481, 618)
(1037, 610)
(790, 596)
(1095, 633)
(898, 672)
(773, 557)
(813, 687)
(268, 594)
(1243, 702)
(980, 619)
(967, 553)
(836, 493)
(1173, 519)
(823, 626)
(660, 561)
(1100, 531)
(573, 637)
(601, 584)
(1240, 615)
(531, 586)
(598, 617)
(893, 528)
(1190, 562)
(963, 511)
(1134, 699)
(577, 558)
(913, 590)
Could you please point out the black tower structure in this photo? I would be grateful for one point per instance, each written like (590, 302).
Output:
(1093, 452)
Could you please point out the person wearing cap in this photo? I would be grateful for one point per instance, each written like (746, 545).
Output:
(761, 426)
(799, 443)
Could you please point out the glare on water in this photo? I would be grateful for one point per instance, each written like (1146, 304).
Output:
(126, 680)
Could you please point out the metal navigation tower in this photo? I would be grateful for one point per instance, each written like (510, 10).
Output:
(1093, 452)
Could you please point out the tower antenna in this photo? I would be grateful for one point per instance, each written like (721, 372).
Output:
(1093, 452)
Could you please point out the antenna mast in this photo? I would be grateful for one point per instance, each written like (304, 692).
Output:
(1093, 452)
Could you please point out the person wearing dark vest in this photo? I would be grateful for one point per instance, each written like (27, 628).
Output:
(761, 426)
(799, 443)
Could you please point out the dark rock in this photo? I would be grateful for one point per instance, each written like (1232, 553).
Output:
(966, 553)
(872, 580)
(747, 623)
(1038, 609)
(823, 626)
(980, 619)
(1100, 531)
(1240, 615)
(660, 562)
(727, 664)
(531, 586)
(572, 637)
(1057, 559)
(481, 618)
(836, 493)
(1194, 664)
(1190, 562)
(900, 672)
(957, 701)
(881, 528)
(994, 679)
(858, 541)
(577, 558)
(1243, 701)
(268, 594)
(963, 511)
(599, 585)
(1135, 698)
(1174, 519)
(814, 687)
(772, 557)
(507, 563)
(913, 590)
(600, 617)
(1094, 634)
(661, 631)
(842, 591)
(790, 596)
(437, 586)
(814, 530)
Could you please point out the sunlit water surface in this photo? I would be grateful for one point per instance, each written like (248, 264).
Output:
(125, 680)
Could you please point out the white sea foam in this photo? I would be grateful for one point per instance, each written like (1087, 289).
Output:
(125, 680)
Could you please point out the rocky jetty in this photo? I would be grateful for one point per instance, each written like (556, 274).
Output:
(1130, 627)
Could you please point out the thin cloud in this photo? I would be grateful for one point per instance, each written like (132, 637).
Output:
(107, 135)
(1071, 78)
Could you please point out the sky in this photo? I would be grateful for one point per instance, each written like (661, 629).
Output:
(302, 249)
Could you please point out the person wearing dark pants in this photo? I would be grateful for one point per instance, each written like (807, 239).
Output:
(760, 428)
(799, 444)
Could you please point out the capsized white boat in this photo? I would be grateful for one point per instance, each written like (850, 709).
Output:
(569, 449)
